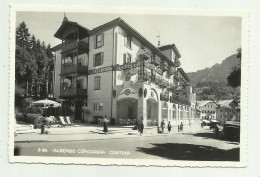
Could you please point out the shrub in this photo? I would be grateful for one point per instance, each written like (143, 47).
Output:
(31, 118)
(33, 110)
(19, 116)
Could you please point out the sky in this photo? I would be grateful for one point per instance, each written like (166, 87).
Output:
(201, 40)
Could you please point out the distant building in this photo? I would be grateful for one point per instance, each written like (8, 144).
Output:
(207, 109)
(113, 70)
(228, 110)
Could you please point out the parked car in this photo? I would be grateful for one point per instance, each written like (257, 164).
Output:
(232, 131)
(213, 123)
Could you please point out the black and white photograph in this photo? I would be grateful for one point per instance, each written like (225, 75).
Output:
(118, 87)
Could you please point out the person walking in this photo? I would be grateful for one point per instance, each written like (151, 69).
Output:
(141, 127)
(105, 121)
(169, 127)
(162, 125)
(181, 127)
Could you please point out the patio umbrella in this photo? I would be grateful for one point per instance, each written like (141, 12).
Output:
(46, 103)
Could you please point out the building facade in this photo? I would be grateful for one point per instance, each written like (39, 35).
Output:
(228, 110)
(207, 109)
(113, 70)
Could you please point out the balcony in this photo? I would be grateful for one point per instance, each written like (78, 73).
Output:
(73, 92)
(179, 100)
(164, 66)
(164, 97)
(155, 61)
(171, 71)
(80, 45)
(172, 88)
(70, 68)
(163, 84)
(155, 79)
(144, 75)
(177, 62)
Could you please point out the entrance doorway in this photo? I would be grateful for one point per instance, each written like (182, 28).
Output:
(152, 112)
(127, 111)
(78, 110)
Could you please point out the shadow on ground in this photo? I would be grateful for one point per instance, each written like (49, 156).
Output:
(211, 135)
(175, 151)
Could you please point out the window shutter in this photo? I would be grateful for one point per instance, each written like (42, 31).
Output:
(102, 58)
(94, 64)
(130, 42)
(125, 39)
(124, 59)
(102, 39)
(95, 42)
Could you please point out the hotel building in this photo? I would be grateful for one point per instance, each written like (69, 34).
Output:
(113, 70)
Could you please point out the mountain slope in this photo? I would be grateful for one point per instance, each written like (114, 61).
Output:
(217, 73)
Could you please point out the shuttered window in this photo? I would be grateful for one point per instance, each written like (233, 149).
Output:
(98, 59)
(99, 40)
(97, 82)
(127, 58)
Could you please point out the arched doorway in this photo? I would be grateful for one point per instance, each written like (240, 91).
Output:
(152, 112)
(127, 104)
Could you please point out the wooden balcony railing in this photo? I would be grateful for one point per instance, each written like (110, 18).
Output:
(73, 45)
(73, 92)
(71, 68)
(179, 100)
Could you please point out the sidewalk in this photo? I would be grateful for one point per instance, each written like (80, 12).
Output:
(90, 132)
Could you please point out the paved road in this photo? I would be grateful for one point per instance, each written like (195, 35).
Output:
(193, 146)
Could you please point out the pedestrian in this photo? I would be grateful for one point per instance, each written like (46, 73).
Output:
(201, 124)
(162, 125)
(141, 127)
(105, 121)
(178, 128)
(169, 127)
(181, 127)
(216, 130)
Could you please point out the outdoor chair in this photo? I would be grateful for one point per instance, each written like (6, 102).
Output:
(62, 121)
(128, 122)
(120, 122)
(69, 121)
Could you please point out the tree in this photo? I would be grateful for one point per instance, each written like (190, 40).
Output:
(234, 78)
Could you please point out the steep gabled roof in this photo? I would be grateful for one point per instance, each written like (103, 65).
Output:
(56, 48)
(65, 23)
(170, 46)
(225, 103)
(183, 74)
(205, 102)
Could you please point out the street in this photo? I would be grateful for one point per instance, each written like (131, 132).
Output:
(200, 145)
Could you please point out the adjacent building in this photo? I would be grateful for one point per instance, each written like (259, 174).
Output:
(113, 70)
(207, 109)
(228, 110)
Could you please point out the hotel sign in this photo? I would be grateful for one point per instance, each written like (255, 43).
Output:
(125, 66)
(127, 93)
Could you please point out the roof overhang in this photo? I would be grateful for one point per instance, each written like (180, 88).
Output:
(83, 32)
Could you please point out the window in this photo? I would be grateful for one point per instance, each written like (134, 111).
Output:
(95, 106)
(99, 40)
(127, 58)
(100, 106)
(97, 83)
(98, 59)
(128, 40)
(213, 112)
